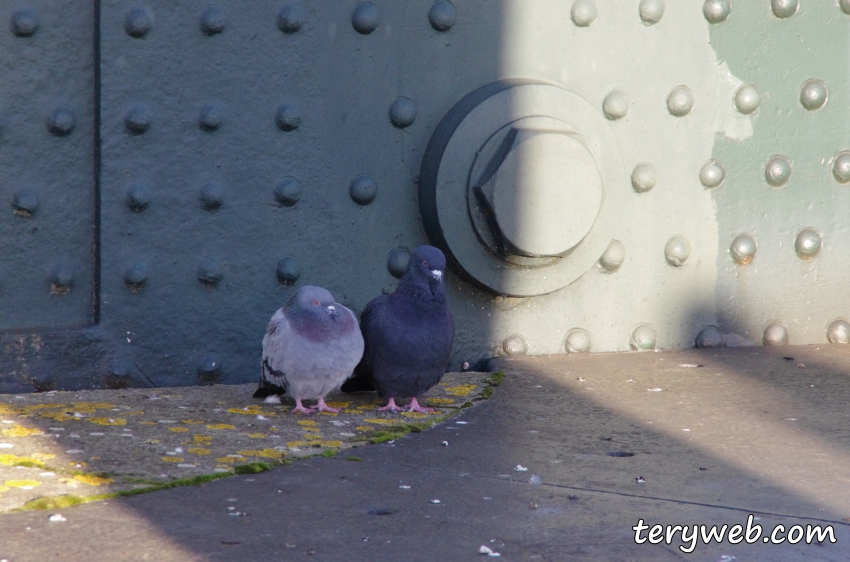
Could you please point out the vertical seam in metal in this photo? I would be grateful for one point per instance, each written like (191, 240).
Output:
(97, 169)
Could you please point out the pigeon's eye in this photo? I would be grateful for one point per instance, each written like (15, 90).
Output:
(425, 263)
(317, 303)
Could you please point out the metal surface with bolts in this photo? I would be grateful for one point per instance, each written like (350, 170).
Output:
(603, 179)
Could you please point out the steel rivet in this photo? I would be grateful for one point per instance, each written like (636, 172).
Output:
(397, 261)
(841, 165)
(680, 101)
(135, 276)
(24, 23)
(290, 18)
(651, 11)
(644, 177)
(403, 112)
(643, 338)
(784, 8)
(615, 105)
(61, 279)
(743, 249)
(212, 21)
(288, 270)
(514, 344)
(838, 331)
(364, 18)
(808, 244)
(677, 250)
(210, 271)
(577, 341)
(442, 15)
(138, 22)
(138, 197)
(716, 11)
(287, 118)
(61, 122)
(709, 337)
(844, 5)
(211, 196)
(209, 368)
(288, 191)
(210, 118)
(813, 94)
(583, 12)
(24, 202)
(775, 334)
(613, 256)
(712, 173)
(777, 171)
(747, 99)
(138, 120)
(363, 190)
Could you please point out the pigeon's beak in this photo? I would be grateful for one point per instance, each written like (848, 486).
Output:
(332, 311)
(437, 274)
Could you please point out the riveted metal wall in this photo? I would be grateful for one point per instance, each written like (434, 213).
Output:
(248, 148)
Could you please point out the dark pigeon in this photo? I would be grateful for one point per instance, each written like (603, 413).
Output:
(311, 346)
(408, 335)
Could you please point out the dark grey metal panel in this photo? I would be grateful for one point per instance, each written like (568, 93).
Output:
(47, 165)
(199, 119)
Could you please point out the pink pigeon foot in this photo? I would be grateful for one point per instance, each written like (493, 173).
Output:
(322, 407)
(301, 409)
(390, 407)
(415, 407)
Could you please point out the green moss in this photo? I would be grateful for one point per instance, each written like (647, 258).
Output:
(54, 502)
(329, 453)
(252, 468)
(496, 378)
(487, 392)
(29, 464)
(357, 459)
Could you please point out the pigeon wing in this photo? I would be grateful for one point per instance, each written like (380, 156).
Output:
(361, 380)
(273, 376)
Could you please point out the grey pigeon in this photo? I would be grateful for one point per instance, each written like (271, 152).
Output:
(408, 335)
(311, 346)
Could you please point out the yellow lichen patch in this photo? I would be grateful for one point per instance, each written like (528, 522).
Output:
(93, 405)
(193, 422)
(230, 459)
(58, 416)
(44, 455)
(331, 444)
(92, 480)
(265, 453)
(460, 390)
(178, 429)
(312, 436)
(439, 401)
(351, 411)
(172, 459)
(22, 483)
(108, 421)
(219, 426)
(364, 428)
(199, 451)
(328, 413)
(299, 444)
(338, 404)
(256, 435)
(34, 407)
(147, 423)
(10, 410)
(311, 429)
(134, 413)
(380, 421)
(417, 415)
(275, 429)
(21, 431)
(12, 460)
(308, 423)
(251, 411)
(202, 439)
(4, 489)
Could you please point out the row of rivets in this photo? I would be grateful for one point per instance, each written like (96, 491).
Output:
(645, 338)
(290, 19)
(138, 118)
(287, 193)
